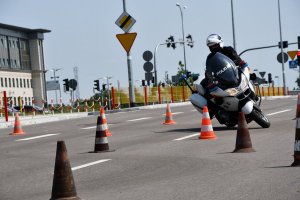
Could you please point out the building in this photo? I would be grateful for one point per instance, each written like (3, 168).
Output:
(22, 68)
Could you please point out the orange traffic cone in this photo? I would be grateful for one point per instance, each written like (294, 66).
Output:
(63, 183)
(169, 119)
(207, 131)
(243, 141)
(298, 107)
(102, 113)
(101, 141)
(17, 127)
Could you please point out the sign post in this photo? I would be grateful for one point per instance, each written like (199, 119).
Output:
(125, 22)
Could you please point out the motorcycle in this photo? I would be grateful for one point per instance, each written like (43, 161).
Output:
(233, 93)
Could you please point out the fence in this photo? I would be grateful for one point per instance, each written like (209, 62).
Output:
(120, 99)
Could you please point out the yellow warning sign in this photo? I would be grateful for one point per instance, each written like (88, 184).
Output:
(126, 40)
(125, 22)
(292, 54)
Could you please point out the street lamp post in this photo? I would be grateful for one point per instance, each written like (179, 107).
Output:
(233, 30)
(182, 28)
(282, 55)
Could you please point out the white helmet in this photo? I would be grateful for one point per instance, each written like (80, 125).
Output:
(214, 39)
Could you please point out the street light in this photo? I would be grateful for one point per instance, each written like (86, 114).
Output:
(181, 14)
(282, 54)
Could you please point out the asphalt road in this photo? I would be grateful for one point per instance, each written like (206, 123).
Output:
(156, 161)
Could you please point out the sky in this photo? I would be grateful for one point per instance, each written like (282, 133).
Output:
(83, 34)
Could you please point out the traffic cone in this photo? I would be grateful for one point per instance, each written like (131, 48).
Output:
(298, 107)
(207, 131)
(243, 141)
(169, 116)
(296, 162)
(102, 113)
(101, 141)
(17, 127)
(63, 183)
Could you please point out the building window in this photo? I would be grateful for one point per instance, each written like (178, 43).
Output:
(2, 82)
(21, 83)
(28, 83)
(9, 82)
(24, 83)
(25, 55)
(5, 82)
(13, 82)
(17, 81)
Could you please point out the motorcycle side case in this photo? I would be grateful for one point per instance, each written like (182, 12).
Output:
(198, 101)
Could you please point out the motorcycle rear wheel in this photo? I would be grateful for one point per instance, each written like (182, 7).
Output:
(260, 118)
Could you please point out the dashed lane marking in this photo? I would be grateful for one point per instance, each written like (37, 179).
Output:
(186, 137)
(92, 127)
(89, 164)
(138, 119)
(37, 137)
(279, 112)
(176, 113)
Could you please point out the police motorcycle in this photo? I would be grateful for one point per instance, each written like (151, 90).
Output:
(233, 93)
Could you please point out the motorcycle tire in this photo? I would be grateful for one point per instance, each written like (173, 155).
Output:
(260, 118)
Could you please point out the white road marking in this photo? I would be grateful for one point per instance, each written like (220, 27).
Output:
(138, 119)
(176, 113)
(186, 137)
(278, 112)
(37, 137)
(89, 164)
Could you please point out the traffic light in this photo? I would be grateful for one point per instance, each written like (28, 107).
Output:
(103, 87)
(298, 58)
(171, 42)
(96, 85)
(143, 83)
(190, 41)
(270, 78)
(298, 42)
(188, 74)
(66, 84)
(285, 44)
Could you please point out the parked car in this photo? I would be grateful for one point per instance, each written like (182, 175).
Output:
(29, 108)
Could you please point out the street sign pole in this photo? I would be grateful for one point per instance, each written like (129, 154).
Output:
(130, 77)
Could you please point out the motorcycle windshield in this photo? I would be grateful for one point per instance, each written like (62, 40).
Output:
(222, 70)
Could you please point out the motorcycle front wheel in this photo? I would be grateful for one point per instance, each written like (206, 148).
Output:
(260, 118)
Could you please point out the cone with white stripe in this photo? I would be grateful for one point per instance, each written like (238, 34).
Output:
(17, 126)
(296, 162)
(207, 131)
(169, 116)
(101, 141)
(102, 113)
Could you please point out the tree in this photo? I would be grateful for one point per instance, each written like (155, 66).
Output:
(182, 71)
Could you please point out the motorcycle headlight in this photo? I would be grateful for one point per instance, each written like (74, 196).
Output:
(242, 87)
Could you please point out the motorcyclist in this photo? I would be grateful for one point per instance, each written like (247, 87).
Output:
(215, 44)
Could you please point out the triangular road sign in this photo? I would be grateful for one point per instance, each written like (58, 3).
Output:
(126, 40)
(292, 54)
(262, 74)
